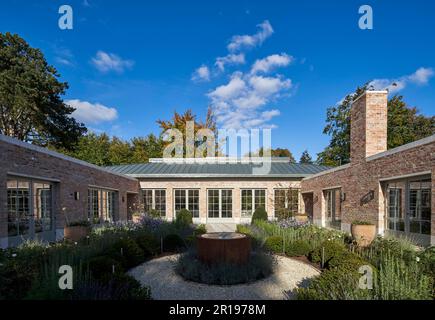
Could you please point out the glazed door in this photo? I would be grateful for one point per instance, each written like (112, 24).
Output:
(30, 211)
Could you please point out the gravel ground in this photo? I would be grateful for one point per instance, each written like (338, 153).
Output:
(165, 284)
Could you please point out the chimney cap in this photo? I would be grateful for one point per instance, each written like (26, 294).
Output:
(366, 91)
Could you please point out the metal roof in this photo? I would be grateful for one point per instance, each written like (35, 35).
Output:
(278, 169)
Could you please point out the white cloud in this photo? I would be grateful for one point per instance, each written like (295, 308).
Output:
(63, 56)
(267, 86)
(239, 42)
(239, 103)
(201, 74)
(90, 113)
(272, 61)
(106, 62)
(420, 77)
(231, 59)
(230, 90)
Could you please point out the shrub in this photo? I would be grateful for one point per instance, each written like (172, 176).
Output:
(326, 252)
(173, 243)
(298, 248)
(191, 268)
(103, 267)
(334, 284)
(80, 223)
(284, 214)
(148, 243)
(259, 214)
(118, 287)
(274, 244)
(200, 229)
(154, 213)
(127, 252)
(184, 218)
(244, 229)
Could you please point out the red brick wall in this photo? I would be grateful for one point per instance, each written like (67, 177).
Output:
(74, 177)
(357, 181)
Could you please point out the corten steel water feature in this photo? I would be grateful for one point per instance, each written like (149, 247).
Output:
(220, 247)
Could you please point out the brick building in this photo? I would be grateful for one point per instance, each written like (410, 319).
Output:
(41, 191)
(392, 188)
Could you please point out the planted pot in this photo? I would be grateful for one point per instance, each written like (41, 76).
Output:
(364, 234)
(301, 218)
(76, 233)
(136, 218)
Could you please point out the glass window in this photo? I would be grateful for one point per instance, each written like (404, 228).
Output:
(227, 203)
(250, 203)
(333, 208)
(154, 199)
(419, 212)
(101, 205)
(220, 203)
(29, 206)
(395, 215)
(193, 202)
(213, 203)
(286, 202)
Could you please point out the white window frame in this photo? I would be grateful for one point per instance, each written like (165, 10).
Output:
(187, 200)
(153, 199)
(220, 205)
(253, 191)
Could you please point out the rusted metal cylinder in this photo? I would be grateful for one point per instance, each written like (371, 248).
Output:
(224, 247)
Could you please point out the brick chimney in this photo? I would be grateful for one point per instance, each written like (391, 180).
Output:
(368, 125)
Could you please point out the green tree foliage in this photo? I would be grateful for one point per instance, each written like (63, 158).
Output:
(179, 122)
(405, 125)
(278, 152)
(306, 158)
(102, 150)
(31, 108)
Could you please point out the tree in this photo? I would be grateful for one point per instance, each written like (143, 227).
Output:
(119, 152)
(91, 148)
(404, 125)
(31, 108)
(102, 150)
(278, 153)
(306, 158)
(179, 122)
(144, 148)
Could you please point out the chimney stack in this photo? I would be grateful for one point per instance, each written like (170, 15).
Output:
(368, 125)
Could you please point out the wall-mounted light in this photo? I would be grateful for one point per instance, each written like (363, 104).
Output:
(343, 196)
(76, 195)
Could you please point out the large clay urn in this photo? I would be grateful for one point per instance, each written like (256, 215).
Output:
(364, 234)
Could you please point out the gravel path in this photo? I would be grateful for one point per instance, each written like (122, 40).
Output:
(165, 284)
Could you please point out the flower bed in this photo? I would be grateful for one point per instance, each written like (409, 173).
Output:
(399, 270)
(99, 262)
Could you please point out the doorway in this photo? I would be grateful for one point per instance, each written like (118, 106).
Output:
(30, 210)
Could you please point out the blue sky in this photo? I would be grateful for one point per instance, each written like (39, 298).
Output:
(129, 63)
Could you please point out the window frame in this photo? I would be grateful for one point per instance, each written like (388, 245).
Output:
(220, 210)
(187, 203)
(254, 205)
(154, 203)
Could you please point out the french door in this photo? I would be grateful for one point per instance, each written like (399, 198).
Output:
(30, 210)
(219, 204)
(408, 207)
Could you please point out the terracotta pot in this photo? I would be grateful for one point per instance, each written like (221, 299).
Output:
(301, 218)
(363, 234)
(76, 233)
(136, 219)
(220, 247)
